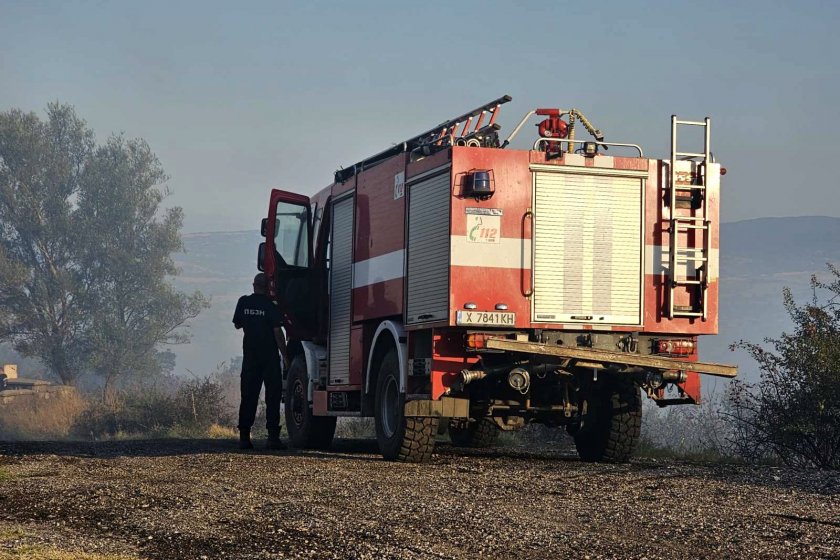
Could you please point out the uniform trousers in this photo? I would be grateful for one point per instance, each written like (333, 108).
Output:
(260, 369)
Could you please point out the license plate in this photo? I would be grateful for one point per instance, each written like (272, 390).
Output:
(486, 318)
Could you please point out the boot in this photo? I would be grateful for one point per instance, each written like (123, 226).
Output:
(245, 439)
(274, 442)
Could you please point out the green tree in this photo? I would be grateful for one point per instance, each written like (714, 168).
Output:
(91, 249)
(41, 287)
(126, 246)
(793, 412)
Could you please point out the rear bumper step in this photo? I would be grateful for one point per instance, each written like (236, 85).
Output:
(612, 358)
(446, 407)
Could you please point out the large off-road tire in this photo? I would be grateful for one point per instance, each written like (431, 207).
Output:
(410, 440)
(306, 431)
(610, 428)
(482, 432)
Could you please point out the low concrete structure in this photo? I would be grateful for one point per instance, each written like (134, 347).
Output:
(19, 389)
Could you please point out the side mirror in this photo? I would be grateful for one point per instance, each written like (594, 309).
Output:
(264, 227)
(261, 258)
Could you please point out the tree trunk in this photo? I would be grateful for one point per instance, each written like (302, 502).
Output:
(64, 372)
(108, 392)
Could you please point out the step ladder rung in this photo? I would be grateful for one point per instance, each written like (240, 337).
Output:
(686, 227)
(691, 259)
(684, 282)
(690, 187)
(692, 123)
(690, 154)
(687, 313)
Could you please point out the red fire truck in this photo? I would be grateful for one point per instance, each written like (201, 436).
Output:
(453, 279)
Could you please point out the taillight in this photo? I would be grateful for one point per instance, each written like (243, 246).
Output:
(477, 341)
(680, 347)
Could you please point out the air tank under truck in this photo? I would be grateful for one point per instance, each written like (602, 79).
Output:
(452, 281)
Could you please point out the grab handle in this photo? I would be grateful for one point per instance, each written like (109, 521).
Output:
(527, 265)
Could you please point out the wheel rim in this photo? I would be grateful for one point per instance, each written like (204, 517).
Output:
(297, 403)
(390, 407)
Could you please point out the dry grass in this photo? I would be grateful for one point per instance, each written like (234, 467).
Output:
(15, 545)
(355, 428)
(217, 431)
(10, 533)
(36, 552)
(5, 476)
(41, 418)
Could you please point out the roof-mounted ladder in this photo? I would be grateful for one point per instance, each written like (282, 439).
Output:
(449, 130)
(445, 134)
(694, 185)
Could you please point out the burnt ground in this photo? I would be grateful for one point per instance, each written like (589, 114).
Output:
(204, 499)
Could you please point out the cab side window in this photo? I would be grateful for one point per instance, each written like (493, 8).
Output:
(291, 235)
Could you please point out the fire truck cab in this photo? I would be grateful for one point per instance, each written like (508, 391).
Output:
(452, 279)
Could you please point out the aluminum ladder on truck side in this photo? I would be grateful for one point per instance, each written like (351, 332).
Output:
(695, 186)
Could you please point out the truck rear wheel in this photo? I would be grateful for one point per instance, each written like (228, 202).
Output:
(482, 432)
(400, 438)
(306, 431)
(610, 429)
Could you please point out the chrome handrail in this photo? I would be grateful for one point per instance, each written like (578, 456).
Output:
(617, 144)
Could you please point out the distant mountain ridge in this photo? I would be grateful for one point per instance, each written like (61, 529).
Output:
(783, 244)
(758, 258)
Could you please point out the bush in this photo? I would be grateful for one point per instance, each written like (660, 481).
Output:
(200, 403)
(699, 432)
(793, 413)
(190, 409)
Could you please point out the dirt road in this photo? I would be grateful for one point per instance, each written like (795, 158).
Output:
(203, 499)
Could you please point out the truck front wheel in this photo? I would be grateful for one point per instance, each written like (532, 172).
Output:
(400, 438)
(610, 428)
(306, 431)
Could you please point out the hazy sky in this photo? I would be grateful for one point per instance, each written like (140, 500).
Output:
(236, 98)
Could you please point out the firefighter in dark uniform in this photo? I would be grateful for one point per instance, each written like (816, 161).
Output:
(262, 322)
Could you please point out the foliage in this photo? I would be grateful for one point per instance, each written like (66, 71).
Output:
(187, 407)
(41, 285)
(85, 249)
(227, 376)
(134, 309)
(698, 432)
(793, 413)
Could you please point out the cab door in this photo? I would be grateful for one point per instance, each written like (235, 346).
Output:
(286, 258)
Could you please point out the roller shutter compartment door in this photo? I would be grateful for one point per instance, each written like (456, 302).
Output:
(341, 284)
(428, 250)
(588, 235)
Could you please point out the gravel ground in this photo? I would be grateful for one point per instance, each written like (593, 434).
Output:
(204, 499)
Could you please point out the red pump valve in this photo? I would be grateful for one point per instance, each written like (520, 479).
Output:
(552, 127)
